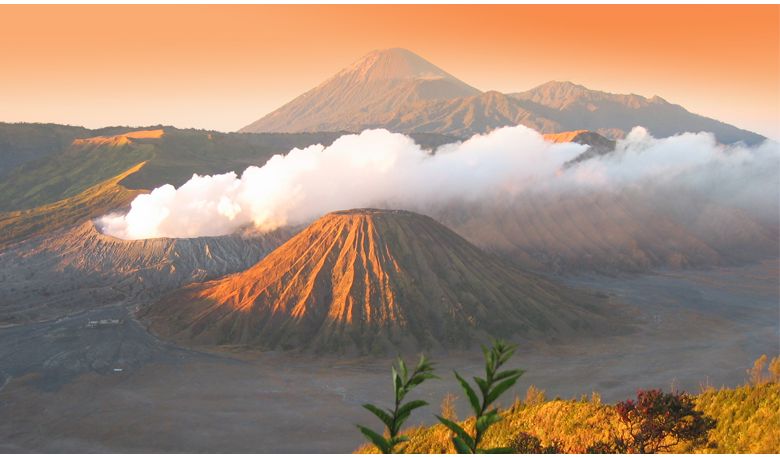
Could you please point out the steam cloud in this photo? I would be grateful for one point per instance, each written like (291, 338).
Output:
(377, 168)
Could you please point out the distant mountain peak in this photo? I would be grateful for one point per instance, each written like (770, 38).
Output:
(393, 64)
(381, 82)
(399, 90)
(561, 85)
(560, 94)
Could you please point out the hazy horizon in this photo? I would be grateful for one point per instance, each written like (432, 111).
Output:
(224, 67)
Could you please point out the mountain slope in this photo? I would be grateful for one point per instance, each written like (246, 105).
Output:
(374, 280)
(362, 94)
(630, 231)
(599, 145)
(398, 90)
(465, 116)
(573, 107)
(78, 267)
(47, 174)
(21, 143)
(81, 165)
(96, 201)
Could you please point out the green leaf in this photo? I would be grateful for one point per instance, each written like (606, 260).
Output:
(458, 431)
(473, 399)
(423, 364)
(399, 439)
(506, 352)
(487, 420)
(378, 440)
(507, 373)
(502, 387)
(404, 371)
(460, 446)
(419, 378)
(405, 410)
(386, 418)
(490, 368)
(483, 385)
(398, 385)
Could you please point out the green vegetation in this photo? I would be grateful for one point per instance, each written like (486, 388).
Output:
(656, 421)
(63, 168)
(748, 416)
(395, 418)
(93, 202)
(729, 420)
(66, 174)
(45, 163)
(491, 387)
(23, 142)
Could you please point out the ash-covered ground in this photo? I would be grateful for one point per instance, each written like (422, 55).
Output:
(113, 387)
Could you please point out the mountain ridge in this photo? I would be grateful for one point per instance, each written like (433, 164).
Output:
(379, 82)
(399, 90)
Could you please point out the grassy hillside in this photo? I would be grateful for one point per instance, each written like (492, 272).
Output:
(94, 201)
(45, 163)
(747, 420)
(66, 174)
(21, 143)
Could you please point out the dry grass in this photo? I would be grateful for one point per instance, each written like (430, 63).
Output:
(748, 418)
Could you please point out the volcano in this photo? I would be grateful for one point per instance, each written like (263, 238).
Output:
(364, 93)
(372, 281)
(78, 267)
(398, 90)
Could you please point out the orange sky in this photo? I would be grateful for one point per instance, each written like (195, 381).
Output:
(223, 67)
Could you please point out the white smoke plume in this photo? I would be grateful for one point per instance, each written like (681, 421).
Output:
(382, 169)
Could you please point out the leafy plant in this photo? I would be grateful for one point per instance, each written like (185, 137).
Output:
(659, 421)
(525, 443)
(490, 388)
(756, 373)
(394, 418)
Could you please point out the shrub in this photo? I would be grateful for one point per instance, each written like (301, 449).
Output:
(525, 443)
(448, 410)
(534, 396)
(774, 369)
(756, 373)
(748, 418)
(658, 421)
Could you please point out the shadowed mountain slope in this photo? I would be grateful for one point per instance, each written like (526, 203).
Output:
(374, 280)
(465, 116)
(21, 142)
(572, 107)
(609, 232)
